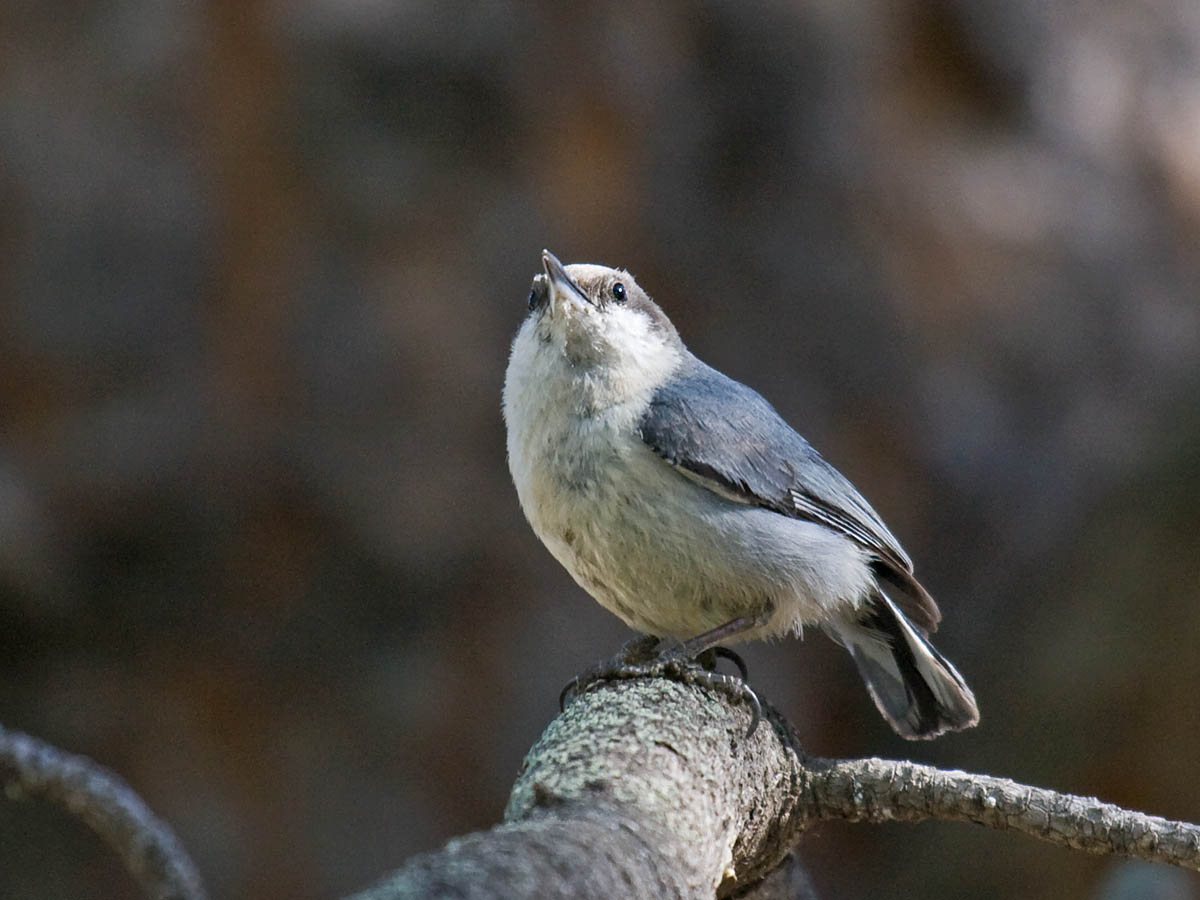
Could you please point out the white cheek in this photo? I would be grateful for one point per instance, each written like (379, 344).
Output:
(642, 360)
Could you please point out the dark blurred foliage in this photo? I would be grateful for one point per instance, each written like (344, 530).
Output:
(259, 551)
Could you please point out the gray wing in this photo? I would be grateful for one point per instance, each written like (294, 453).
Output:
(726, 436)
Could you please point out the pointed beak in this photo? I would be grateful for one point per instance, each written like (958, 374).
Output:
(560, 281)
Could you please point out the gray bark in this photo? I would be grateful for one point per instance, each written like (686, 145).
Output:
(32, 769)
(646, 788)
(649, 788)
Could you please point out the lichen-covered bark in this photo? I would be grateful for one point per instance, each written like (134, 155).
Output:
(879, 790)
(642, 789)
(627, 762)
(680, 757)
(649, 788)
(575, 852)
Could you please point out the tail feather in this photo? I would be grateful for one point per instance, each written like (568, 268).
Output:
(916, 688)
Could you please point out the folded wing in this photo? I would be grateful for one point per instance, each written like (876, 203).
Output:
(724, 435)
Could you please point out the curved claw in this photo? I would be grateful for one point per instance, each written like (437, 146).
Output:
(735, 658)
(755, 711)
(568, 690)
(738, 690)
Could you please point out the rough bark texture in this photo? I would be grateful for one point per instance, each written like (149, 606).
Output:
(881, 790)
(654, 757)
(31, 768)
(572, 852)
(649, 788)
(641, 789)
(788, 881)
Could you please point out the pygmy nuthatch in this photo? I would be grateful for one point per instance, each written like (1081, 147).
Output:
(682, 502)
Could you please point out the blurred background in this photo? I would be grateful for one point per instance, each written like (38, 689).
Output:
(261, 264)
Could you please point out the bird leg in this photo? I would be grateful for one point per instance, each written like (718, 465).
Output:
(692, 662)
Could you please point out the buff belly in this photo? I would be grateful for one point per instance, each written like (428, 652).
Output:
(675, 559)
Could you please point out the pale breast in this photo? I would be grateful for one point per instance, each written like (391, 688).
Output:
(665, 554)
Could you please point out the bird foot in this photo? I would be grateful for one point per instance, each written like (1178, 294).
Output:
(648, 657)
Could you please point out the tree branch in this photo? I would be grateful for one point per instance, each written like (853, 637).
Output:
(881, 790)
(106, 804)
(648, 788)
(642, 789)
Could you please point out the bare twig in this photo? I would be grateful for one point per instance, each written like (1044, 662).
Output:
(106, 804)
(881, 790)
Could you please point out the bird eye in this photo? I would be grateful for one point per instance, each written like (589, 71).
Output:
(618, 292)
(532, 299)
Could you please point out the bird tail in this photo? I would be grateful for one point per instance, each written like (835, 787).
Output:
(916, 688)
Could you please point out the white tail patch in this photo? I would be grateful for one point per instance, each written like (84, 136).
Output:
(915, 688)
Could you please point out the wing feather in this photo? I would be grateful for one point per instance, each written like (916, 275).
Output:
(724, 435)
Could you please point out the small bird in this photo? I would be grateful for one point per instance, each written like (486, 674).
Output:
(684, 504)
